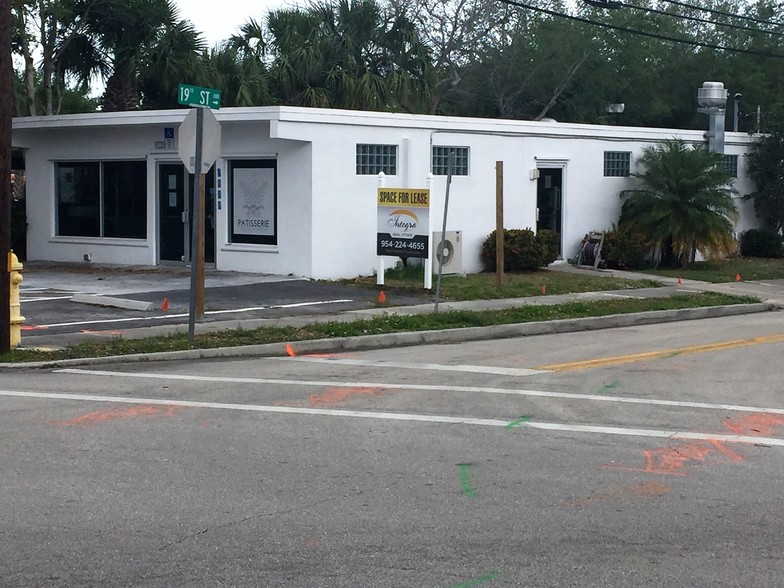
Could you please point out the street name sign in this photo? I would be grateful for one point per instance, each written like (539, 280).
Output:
(197, 96)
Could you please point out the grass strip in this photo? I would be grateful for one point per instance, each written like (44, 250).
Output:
(375, 326)
(727, 270)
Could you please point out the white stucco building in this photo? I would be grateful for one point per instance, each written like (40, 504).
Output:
(293, 190)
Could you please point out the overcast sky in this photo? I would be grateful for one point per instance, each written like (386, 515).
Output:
(219, 19)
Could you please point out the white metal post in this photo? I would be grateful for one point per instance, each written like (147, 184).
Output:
(428, 261)
(380, 274)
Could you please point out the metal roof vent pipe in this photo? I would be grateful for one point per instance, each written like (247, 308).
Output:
(712, 98)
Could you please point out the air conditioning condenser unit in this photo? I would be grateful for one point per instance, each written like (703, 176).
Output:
(450, 249)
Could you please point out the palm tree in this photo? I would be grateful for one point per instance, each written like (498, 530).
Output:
(242, 79)
(299, 60)
(135, 44)
(238, 68)
(345, 54)
(685, 204)
(174, 58)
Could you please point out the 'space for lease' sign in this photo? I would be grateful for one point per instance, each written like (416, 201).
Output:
(403, 222)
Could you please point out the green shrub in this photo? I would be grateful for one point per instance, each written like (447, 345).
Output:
(551, 241)
(523, 250)
(624, 248)
(761, 243)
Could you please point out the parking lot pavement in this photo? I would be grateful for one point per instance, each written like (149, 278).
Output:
(53, 318)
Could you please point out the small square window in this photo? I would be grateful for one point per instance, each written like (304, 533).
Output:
(730, 163)
(441, 161)
(374, 159)
(617, 163)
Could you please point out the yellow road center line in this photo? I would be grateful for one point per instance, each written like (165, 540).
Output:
(650, 355)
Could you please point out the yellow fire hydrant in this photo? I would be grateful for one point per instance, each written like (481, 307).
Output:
(14, 270)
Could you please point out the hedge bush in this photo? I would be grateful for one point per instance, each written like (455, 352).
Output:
(761, 243)
(523, 250)
(624, 248)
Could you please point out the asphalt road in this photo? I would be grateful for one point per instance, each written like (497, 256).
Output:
(497, 463)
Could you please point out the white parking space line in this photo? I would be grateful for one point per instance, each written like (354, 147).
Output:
(396, 416)
(302, 304)
(182, 315)
(426, 387)
(438, 367)
(22, 299)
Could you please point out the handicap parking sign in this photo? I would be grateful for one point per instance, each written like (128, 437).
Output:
(168, 135)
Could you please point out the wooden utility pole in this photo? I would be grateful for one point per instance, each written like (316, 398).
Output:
(6, 85)
(499, 223)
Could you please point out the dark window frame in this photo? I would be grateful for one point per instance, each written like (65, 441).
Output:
(235, 164)
(81, 210)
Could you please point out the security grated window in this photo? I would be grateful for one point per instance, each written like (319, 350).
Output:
(730, 163)
(373, 159)
(617, 163)
(441, 161)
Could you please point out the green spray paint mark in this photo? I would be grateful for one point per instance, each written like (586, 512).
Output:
(522, 419)
(477, 581)
(465, 480)
(606, 387)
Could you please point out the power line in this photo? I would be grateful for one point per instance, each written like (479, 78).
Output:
(639, 32)
(722, 13)
(695, 19)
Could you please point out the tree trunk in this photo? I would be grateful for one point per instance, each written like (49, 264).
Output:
(562, 86)
(122, 92)
(29, 79)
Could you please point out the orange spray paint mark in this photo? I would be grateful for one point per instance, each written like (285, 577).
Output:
(762, 424)
(33, 328)
(671, 461)
(102, 416)
(641, 490)
(335, 395)
(91, 332)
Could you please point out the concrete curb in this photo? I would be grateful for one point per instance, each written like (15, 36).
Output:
(444, 336)
(113, 302)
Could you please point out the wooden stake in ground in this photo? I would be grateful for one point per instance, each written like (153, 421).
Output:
(499, 223)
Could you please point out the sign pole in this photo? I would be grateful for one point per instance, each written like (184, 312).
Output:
(440, 250)
(197, 236)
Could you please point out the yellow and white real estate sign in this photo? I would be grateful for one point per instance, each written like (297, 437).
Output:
(403, 222)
